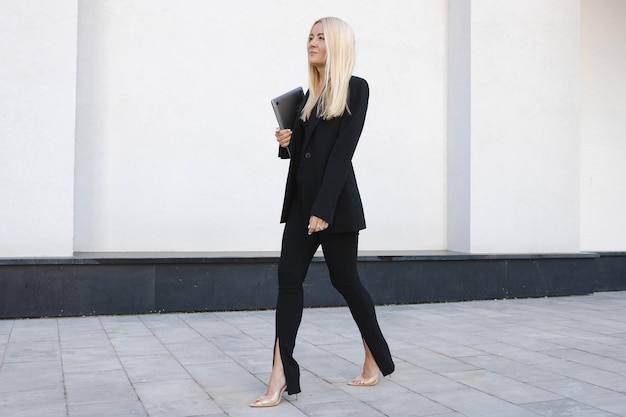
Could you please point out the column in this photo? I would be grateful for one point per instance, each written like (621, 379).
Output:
(514, 126)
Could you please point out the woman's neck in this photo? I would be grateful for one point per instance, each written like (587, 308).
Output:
(321, 83)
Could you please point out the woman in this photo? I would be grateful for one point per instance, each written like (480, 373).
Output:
(322, 206)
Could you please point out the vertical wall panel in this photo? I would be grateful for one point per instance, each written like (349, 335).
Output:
(175, 146)
(603, 151)
(459, 125)
(37, 121)
(525, 126)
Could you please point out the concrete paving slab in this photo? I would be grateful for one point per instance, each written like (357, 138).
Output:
(547, 357)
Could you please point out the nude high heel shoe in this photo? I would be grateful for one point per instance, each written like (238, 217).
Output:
(270, 400)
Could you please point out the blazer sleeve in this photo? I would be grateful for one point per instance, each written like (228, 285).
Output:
(340, 157)
(284, 153)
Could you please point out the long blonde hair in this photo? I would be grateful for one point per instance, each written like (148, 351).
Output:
(332, 100)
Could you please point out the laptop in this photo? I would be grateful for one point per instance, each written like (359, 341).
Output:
(286, 107)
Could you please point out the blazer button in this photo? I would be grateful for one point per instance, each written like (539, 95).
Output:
(307, 155)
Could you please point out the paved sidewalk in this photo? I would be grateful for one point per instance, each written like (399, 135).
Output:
(549, 357)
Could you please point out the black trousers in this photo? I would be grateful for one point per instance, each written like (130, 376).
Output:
(340, 253)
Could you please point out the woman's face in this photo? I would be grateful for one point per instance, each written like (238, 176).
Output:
(317, 47)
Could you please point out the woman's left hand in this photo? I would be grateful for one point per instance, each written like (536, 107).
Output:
(317, 225)
(283, 137)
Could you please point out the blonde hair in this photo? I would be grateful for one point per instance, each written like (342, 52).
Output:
(332, 100)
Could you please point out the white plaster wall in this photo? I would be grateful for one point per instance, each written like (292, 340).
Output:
(175, 146)
(525, 126)
(174, 132)
(603, 150)
(37, 116)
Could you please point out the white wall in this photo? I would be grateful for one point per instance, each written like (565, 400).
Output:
(37, 115)
(525, 133)
(603, 150)
(175, 146)
(476, 139)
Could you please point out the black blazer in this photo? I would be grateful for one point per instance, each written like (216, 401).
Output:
(329, 189)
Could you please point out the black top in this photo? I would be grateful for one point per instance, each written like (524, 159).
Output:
(307, 125)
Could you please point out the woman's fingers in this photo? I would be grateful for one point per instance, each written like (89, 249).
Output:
(283, 136)
(317, 225)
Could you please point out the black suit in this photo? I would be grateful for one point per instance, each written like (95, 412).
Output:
(321, 182)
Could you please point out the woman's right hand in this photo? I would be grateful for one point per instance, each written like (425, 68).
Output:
(283, 136)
